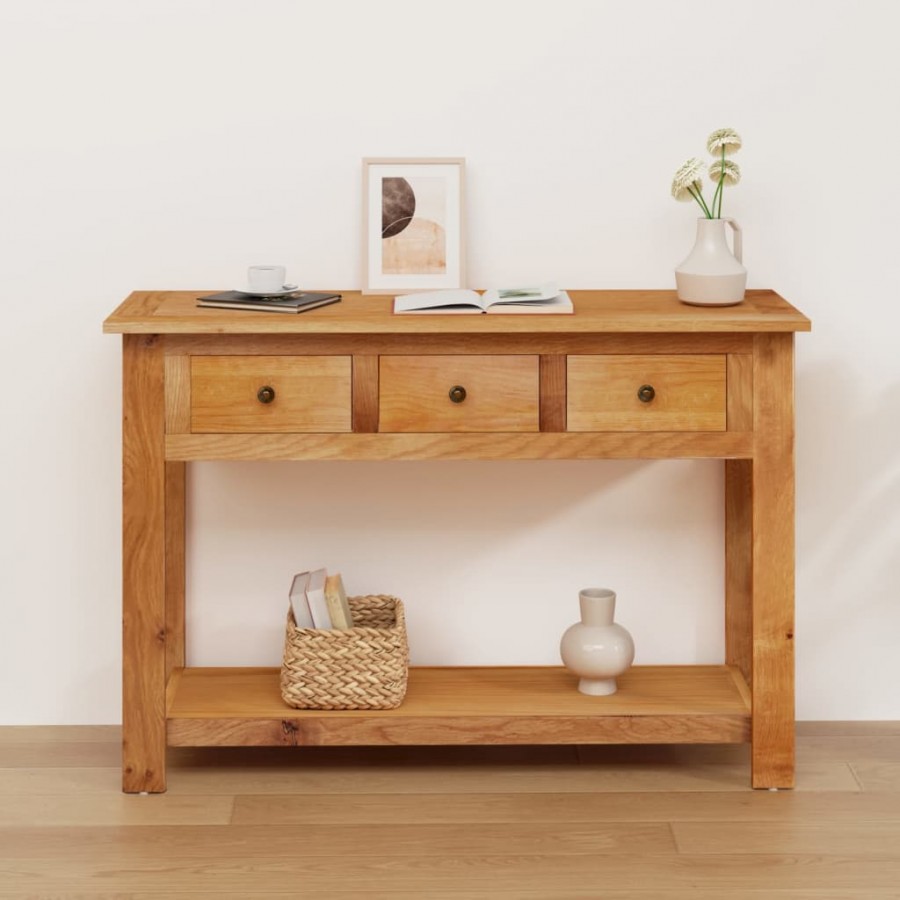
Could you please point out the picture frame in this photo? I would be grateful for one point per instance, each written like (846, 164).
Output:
(413, 224)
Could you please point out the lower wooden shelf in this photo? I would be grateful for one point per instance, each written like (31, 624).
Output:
(463, 705)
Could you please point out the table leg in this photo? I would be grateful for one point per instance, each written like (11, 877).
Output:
(175, 566)
(143, 566)
(739, 565)
(773, 563)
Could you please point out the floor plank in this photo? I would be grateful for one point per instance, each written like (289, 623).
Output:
(60, 734)
(586, 893)
(59, 754)
(450, 823)
(458, 873)
(857, 838)
(87, 809)
(849, 748)
(141, 843)
(877, 774)
(552, 808)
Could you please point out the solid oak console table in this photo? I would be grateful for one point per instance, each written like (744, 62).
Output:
(632, 374)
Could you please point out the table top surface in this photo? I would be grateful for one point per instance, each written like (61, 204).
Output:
(596, 312)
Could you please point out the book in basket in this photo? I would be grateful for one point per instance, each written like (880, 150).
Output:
(299, 606)
(336, 600)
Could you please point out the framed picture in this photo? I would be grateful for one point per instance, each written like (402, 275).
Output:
(413, 225)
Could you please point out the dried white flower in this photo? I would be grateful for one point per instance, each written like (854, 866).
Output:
(688, 185)
(726, 139)
(727, 169)
(687, 177)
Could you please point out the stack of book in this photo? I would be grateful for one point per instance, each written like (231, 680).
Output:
(318, 600)
(295, 302)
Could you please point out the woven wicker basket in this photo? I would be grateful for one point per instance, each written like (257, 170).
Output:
(364, 667)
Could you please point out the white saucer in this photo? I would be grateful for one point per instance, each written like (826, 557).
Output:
(287, 289)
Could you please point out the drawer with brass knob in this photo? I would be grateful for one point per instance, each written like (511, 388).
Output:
(265, 394)
(646, 393)
(458, 393)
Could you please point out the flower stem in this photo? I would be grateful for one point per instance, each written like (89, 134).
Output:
(716, 197)
(719, 191)
(699, 198)
(722, 183)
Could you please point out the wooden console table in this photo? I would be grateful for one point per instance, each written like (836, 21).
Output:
(632, 374)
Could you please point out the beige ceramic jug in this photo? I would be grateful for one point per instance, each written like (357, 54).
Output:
(712, 275)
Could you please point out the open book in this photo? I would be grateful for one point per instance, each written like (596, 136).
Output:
(543, 299)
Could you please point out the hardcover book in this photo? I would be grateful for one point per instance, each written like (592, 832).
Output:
(298, 302)
(336, 598)
(315, 597)
(299, 606)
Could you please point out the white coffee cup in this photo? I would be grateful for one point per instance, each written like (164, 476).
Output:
(265, 278)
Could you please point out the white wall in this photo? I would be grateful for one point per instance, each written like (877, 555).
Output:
(169, 143)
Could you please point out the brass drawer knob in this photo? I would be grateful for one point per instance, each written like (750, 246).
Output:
(457, 393)
(265, 394)
(646, 392)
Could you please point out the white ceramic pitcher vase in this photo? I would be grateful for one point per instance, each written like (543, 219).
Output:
(712, 275)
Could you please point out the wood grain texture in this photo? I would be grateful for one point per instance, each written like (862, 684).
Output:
(594, 342)
(312, 394)
(501, 393)
(234, 707)
(860, 839)
(740, 392)
(773, 562)
(553, 392)
(96, 806)
(332, 840)
(720, 728)
(739, 564)
(602, 393)
(724, 390)
(671, 799)
(365, 393)
(175, 565)
(143, 565)
(526, 893)
(547, 445)
(869, 730)
(617, 311)
(672, 822)
(76, 754)
(407, 875)
(49, 735)
(178, 393)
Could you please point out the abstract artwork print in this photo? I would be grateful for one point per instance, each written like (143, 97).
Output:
(413, 235)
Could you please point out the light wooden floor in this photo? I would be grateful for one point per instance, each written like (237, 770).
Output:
(640, 823)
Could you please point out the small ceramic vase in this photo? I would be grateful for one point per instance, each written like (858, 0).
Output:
(596, 648)
(712, 275)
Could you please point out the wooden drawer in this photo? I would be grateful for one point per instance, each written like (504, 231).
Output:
(688, 393)
(311, 393)
(501, 393)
